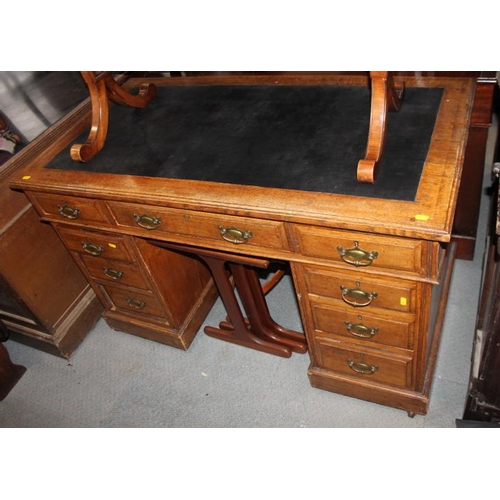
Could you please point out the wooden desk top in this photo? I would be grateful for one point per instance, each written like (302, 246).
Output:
(429, 215)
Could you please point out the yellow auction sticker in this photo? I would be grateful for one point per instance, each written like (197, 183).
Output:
(421, 217)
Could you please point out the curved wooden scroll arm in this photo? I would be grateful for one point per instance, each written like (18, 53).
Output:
(386, 95)
(103, 87)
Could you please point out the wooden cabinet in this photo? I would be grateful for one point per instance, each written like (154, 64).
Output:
(45, 301)
(371, 266)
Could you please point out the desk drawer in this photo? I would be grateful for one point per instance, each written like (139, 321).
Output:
(361, 327)
(96, 244)
(359, 250)
(370, 365)
(358, 291)
(115, 271)
(224, 232)
(134, 302)
(70, 208)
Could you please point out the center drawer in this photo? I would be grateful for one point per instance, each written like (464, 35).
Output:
(223, 231)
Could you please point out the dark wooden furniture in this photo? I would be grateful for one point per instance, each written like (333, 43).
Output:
(371, 265)
(10, 373)
(483, 398)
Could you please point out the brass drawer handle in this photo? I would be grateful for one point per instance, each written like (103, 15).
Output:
(357, 297)
(147, 222)
(136, 304)
(356, 256)
(92, 249)
(113, 273)
(68, 212)
(234, 235)
(361, 331)
(362, 368)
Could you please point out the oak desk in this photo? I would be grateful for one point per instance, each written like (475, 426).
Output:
(271, 160)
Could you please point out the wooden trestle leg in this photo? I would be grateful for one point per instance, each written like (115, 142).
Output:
(385, 96)
(258, 330)
(103, 87)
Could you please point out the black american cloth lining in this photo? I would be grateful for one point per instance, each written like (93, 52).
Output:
(292, 137)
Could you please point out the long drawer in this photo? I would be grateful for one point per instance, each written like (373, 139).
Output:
(214, 230)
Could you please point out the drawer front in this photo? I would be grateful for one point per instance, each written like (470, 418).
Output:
(134, 302)
(362, 327)
(96, 244)
(358, 250)
(115, 271)
(71, 208)
(359, 291)
(365, 365)
(224, 232)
